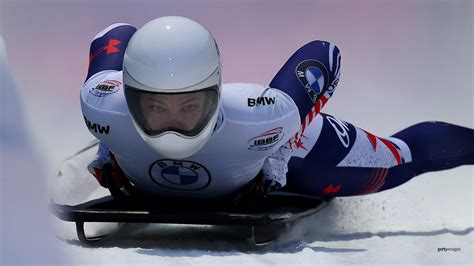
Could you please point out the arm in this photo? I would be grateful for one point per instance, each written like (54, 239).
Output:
(106, 56)
(310, 78)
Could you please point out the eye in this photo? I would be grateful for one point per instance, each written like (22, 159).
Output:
(157, 108)
(190, 108)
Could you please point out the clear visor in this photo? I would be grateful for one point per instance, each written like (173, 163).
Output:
(186, 113)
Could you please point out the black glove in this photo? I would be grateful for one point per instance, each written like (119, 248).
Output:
(266, 186)
(254, 192)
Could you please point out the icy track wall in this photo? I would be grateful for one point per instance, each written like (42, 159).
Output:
(25, 230)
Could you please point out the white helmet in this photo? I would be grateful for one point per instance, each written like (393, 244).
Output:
(172, 81)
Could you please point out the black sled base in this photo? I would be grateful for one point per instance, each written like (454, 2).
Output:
(262, 223)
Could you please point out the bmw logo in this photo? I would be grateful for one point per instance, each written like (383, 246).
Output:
(314, 77)
(180, 175)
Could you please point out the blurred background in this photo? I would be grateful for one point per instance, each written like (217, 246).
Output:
(403, 62)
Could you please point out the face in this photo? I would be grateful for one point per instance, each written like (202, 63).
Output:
(168, 111)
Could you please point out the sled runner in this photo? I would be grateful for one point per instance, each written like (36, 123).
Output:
(262, 223)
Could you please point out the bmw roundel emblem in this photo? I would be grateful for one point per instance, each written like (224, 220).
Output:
(314, 77)
(180, 175)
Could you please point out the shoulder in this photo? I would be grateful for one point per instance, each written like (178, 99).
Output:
(254, 103)
(104, 108)
(104, 91)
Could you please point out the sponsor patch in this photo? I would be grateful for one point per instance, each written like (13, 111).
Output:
(314, 77)
(260, 101)
(180, 175)
(96, 127)
(105, 88)
(341, 129)
(266, 140)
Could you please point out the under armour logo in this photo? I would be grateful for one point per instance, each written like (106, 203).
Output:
(110, 48)
(331, 189)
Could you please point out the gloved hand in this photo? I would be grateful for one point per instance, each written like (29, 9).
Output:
(254, 191)
(96, 167)
(273, 175)
(266, 186)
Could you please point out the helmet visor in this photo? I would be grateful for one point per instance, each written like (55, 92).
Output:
(186, 113)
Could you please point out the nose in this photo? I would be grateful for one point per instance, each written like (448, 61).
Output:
(174, 121)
